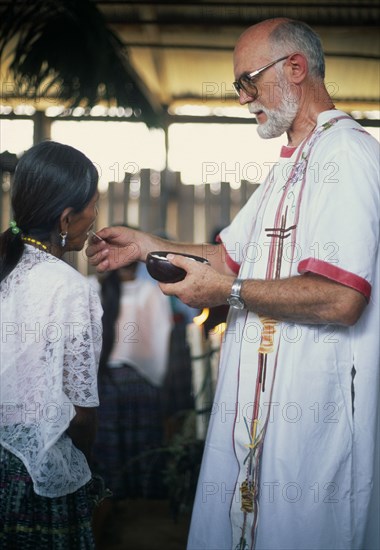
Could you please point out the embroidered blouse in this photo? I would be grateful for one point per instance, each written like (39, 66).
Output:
(50, 347)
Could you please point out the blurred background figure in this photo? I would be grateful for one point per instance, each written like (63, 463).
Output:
(217, 314)
(137, 324)
(177, 393)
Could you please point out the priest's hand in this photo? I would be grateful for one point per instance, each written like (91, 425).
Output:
(202, 286)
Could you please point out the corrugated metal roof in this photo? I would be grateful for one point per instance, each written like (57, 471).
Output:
(183, 50)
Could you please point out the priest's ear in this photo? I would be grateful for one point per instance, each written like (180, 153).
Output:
(297, 68)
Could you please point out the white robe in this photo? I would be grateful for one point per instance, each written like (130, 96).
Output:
(316, 422)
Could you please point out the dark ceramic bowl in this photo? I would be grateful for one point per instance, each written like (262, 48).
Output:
(162, 270)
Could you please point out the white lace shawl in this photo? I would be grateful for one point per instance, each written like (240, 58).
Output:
(50, 346)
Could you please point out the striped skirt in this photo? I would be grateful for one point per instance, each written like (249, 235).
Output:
(29, 521)
(128, 450)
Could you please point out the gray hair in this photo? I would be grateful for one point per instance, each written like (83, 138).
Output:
(292, 36)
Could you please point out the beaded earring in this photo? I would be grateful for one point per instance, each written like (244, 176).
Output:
(63, 236)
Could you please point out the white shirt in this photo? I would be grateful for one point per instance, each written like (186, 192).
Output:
(50, 347)
(143, 330)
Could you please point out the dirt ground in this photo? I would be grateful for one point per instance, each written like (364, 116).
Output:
(143, 525)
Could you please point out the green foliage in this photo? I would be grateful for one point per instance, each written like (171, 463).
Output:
(64, 48)
(183, 465)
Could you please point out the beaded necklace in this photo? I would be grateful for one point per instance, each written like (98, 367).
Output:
(34, 242)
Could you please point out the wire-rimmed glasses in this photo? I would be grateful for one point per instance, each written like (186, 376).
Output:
(246, 81)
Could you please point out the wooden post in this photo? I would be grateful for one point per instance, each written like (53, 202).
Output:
(145, 201)
(41, 127)
(111, 195)
(225, 204)
(126, 186)
(185, 212)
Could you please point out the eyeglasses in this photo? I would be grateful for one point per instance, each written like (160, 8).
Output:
(245, 82)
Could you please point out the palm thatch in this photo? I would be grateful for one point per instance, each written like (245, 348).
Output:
(63, 48)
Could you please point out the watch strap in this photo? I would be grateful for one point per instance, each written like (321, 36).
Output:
(235, 300)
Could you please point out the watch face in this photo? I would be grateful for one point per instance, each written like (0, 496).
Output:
(236, 302)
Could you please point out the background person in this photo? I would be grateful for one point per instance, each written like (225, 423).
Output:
(137, 322)
(289, 460)
(51, 340)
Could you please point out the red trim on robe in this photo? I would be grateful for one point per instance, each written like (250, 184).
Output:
(234, 266)
(286, 151)
(337, 274)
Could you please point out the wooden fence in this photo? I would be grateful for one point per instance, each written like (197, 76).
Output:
(159, 202)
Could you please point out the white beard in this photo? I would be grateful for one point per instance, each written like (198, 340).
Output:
(279, 120)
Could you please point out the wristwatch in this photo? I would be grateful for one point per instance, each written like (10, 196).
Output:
(234, 299)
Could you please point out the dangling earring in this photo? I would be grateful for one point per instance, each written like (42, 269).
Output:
(63, 236)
